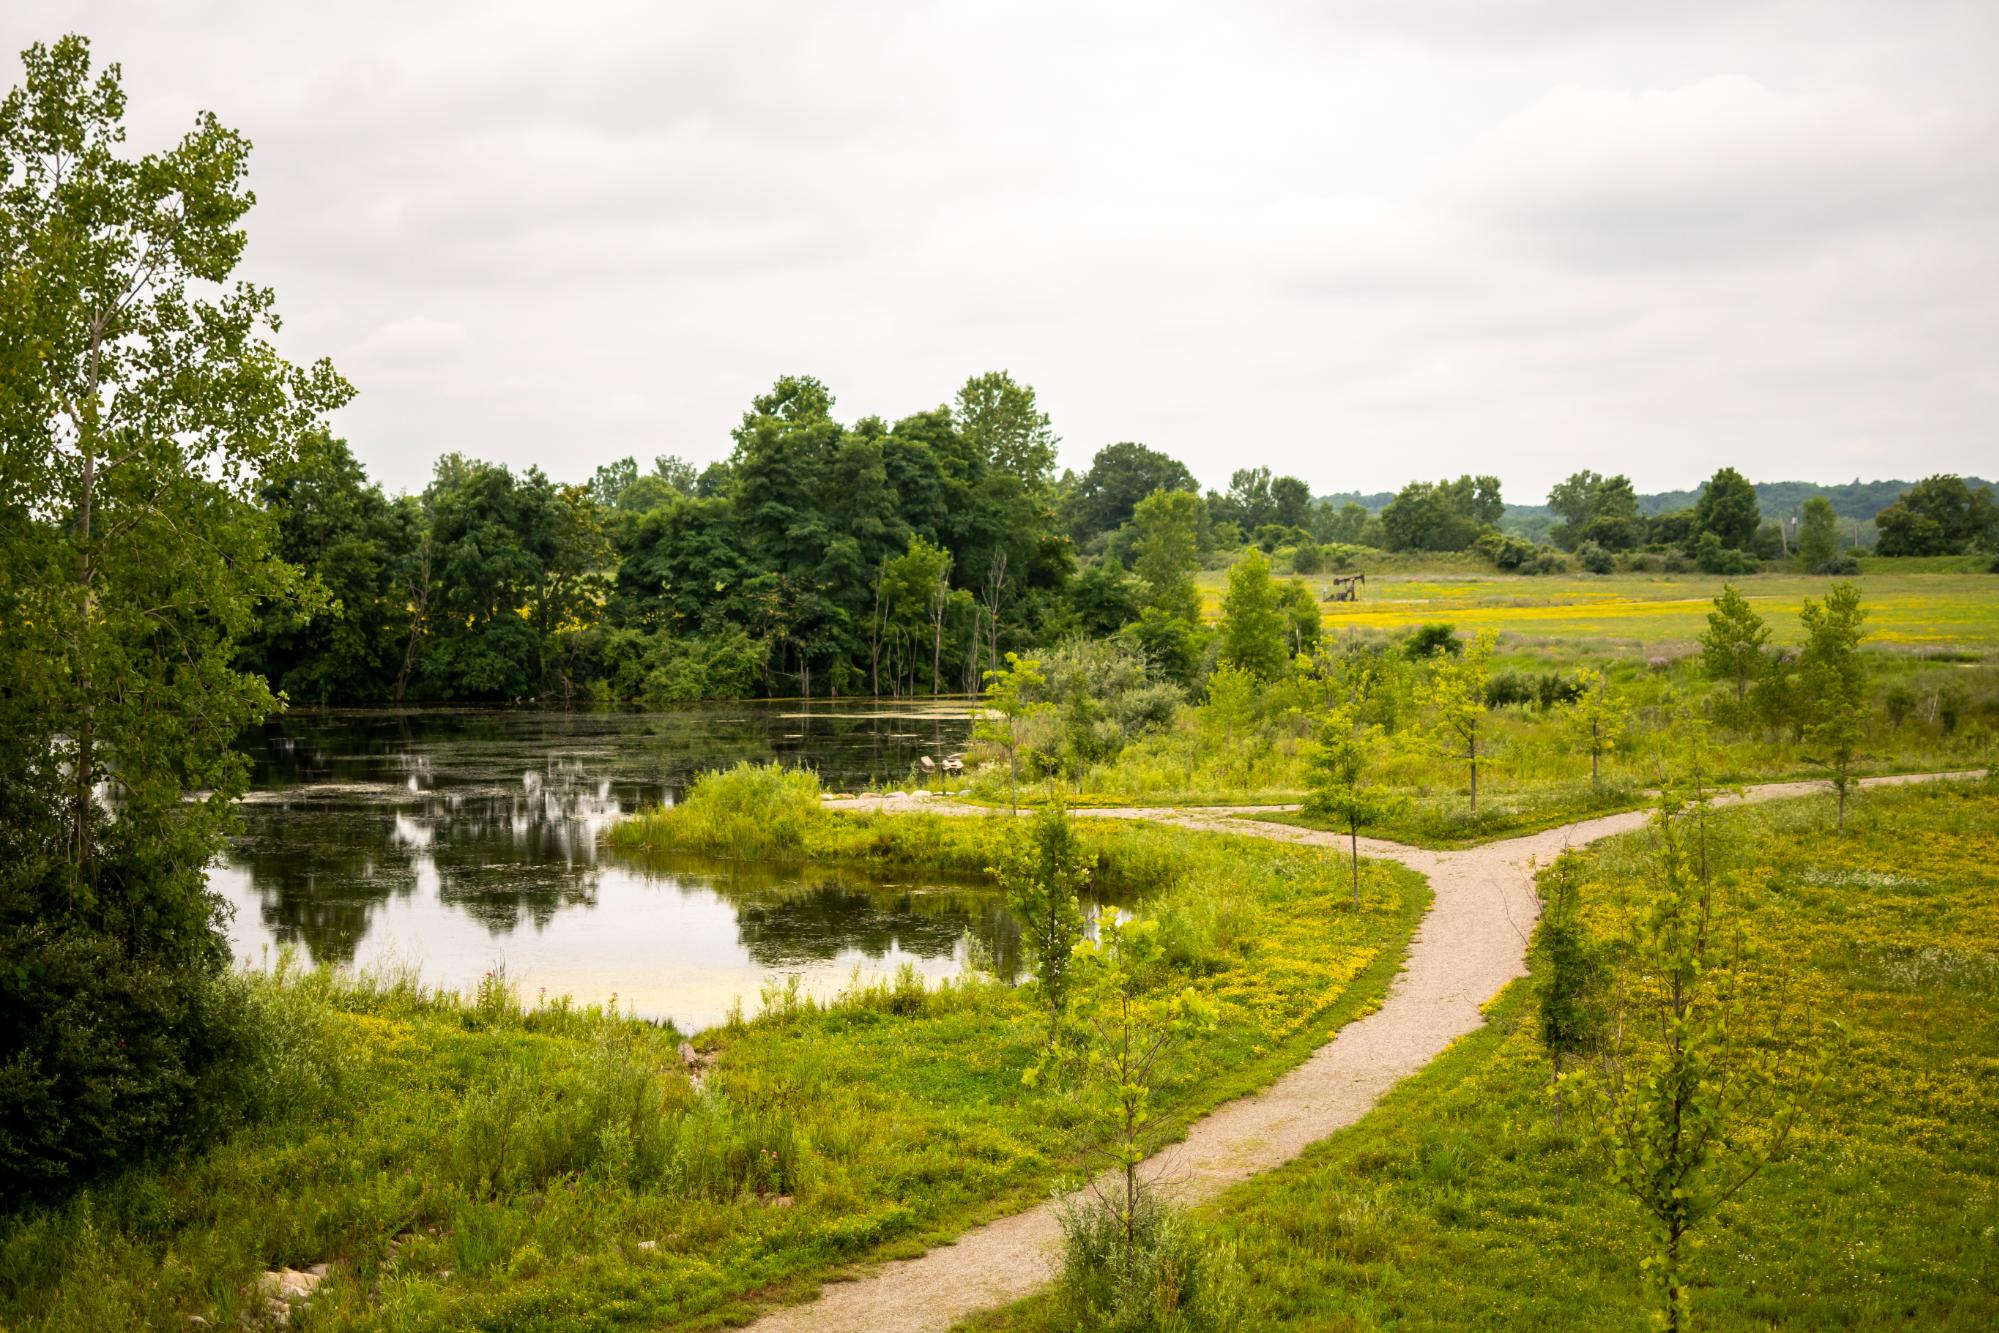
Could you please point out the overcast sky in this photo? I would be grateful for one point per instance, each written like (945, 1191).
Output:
(1361, 241)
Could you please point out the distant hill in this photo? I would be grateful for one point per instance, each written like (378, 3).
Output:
(1857, 500)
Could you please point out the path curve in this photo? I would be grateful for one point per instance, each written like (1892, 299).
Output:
(1470, 944)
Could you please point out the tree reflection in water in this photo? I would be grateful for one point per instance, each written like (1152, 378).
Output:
(492, 819)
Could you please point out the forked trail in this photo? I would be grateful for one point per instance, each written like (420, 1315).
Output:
(1470, 944)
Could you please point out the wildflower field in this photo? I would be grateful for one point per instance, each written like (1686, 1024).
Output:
(1640, 614)
(1459, 1203)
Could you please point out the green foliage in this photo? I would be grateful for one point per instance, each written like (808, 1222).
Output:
(1044, 872)
(1571, 975)
(1727, 510)
(1595, 510)
(1119, 477)
(144, 408)
(1432, 640)
(1231, 702)
(1253, 625)
(1129, 1016)
(1442, 516)
(1732, 648)
(1818, 536)
(751, 810)
(1343, 788)
(1595, 559)
(1154, 1271)
(1454, 694)
(1696, 1111)
(1102, 695)
(1168, 554)
(1713, 556)
(1833, 684)
(1010, 695)
(1596, 719)
(1939, 515)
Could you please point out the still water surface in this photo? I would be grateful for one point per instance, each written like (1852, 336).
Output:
(459, 841)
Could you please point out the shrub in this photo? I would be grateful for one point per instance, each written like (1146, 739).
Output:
(1508, 690)
(1898, 701)
(1431, 640)
(1714, 558)
(751, 809)
(1506, 552)
(1595, 559)
(1307, 558)
(1176, 1278)
(1676, 563)
(113, 1057)
(1554, 689)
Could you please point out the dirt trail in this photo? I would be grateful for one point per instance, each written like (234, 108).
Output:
(1470, 944)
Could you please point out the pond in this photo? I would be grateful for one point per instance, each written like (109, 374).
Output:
(462, 841)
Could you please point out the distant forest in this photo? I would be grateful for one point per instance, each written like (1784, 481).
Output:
(877, 558)
(1858, 500)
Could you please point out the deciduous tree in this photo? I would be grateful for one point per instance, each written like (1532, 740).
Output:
(1009, 703)
(1732, 648)
(1596, 719)
(1455, 695)
(1044, 872)
(142, 406)
(1253, 625)
(1834, 685)
(1342, 785)
(1727, 507)
(1692, 1107)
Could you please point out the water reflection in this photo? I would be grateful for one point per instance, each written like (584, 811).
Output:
(458, 840)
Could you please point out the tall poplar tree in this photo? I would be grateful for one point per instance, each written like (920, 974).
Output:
(142, 404)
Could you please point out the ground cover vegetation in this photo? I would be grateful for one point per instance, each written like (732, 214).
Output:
(1472, 1197)
(484, 1161)
(1552, 730)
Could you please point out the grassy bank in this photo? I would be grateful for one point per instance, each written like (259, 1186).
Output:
(1457, 1204)
(470, 1162)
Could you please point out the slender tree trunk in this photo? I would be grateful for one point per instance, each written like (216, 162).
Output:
(1472, 754)
(1130, 1166)
(86, 575)
(1013, 765)
(1353, 845)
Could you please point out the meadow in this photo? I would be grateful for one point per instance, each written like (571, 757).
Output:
(1932, 710)
(1459, 1203)
(1643, 614)
(479, 1161)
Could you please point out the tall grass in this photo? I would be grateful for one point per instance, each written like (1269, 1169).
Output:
(751, 810)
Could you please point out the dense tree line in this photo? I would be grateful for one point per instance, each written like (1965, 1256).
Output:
(822, 558)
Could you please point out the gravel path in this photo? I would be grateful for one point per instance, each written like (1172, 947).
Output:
(1470, 944)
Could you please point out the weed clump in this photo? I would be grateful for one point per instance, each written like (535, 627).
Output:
(1167, 1275)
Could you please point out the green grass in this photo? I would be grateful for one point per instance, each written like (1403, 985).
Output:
(1457, 1204)
(523, 1156)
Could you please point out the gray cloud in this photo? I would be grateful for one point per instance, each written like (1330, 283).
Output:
(1361, 242)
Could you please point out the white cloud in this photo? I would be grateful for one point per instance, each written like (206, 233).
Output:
(412, 343)
(1359, 242)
